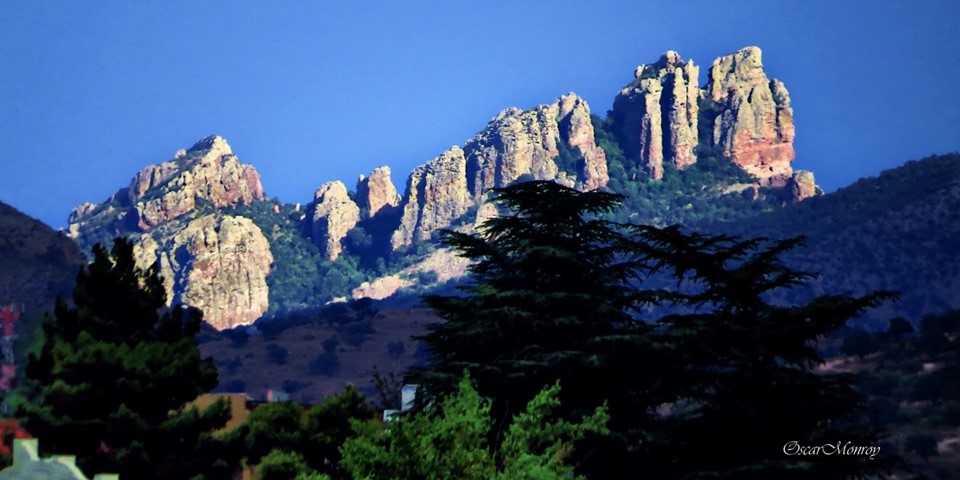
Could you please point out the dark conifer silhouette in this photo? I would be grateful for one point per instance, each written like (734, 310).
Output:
(705, 375)
(115, 370)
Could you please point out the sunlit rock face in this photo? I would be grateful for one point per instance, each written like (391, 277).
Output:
(173, 213)
(216, 263)
(333, 216)
(754, 126)
(657, 114)
(515, 145)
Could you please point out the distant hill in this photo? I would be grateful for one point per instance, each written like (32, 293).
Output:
(898, 231)
(37, 263)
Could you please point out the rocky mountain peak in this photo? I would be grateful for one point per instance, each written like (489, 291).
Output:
(207, 173)
(334, 214)
(754, 121)
(657, 114)
(377, 191)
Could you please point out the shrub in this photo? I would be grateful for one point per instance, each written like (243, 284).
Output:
(396, 348)
(327, 364)
(330, 344)
(277, 353)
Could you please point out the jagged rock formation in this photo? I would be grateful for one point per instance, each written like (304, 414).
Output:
(576, 130)
(377, 191)
(436, 196)
(515, 144)
(218, 264)
(333, 216)
(207, 173)
(657, 114)
(754, 125)
(802, 186)
(171, 211)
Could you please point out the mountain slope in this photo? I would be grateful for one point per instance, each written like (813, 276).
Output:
(37, 263)
(897, 231)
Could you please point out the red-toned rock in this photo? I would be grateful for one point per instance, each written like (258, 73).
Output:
(754, 127)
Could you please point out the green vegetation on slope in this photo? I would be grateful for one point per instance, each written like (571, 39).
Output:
(301, 278)
(711, 190)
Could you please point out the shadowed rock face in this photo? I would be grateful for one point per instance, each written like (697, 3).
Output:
(754, 127)
(334, 215)
(657, 114)
(218, 264)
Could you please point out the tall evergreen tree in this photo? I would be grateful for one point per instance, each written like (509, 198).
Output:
(745, 373)
(715, 388)
(551, 296)
(114, 372)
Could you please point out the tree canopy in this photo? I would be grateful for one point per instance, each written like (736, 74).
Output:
(706, 369)
(113, 375)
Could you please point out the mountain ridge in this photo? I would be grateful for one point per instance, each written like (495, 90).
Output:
(740, 117)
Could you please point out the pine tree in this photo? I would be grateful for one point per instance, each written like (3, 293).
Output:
(551, 296)
(704, 373)
(114, 372)
(745, 373)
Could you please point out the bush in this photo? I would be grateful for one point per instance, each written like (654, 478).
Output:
(277, 353)
(327, 364)
(238, 337)
(330, 344)
(396, 348)
(427, 277)
(355, 333)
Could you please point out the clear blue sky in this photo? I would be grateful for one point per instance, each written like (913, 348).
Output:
(90, 92)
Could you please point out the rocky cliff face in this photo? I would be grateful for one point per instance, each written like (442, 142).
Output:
(657, 114)
(754, 126)
(436, 196)
(208, 173)
(333, 216)
(376, 192)
(218, 264)
(515, 144)
(518, 143)
(747, 119)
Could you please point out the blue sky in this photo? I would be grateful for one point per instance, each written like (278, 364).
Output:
(90, 92)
